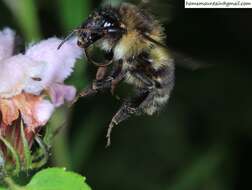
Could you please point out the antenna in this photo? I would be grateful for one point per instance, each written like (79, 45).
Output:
(67, 38)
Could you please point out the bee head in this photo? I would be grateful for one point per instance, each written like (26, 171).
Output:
(102, 23)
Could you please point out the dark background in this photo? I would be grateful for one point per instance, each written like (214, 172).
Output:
(202, 139)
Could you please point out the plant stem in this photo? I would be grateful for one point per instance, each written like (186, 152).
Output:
(11, 184)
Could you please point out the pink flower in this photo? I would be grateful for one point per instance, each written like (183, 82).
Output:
(6, 43)
(25, 81)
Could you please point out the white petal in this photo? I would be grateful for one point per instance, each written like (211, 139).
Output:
(44, 111)
(35, 72)
(16, 75)
(7, 37)
(12, 76)
(60, 62)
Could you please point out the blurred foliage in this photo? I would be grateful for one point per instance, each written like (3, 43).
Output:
(25, 14)
(201, 141)
(72, 13)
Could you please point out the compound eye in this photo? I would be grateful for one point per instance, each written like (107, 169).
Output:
(93, 37)
(107, 24)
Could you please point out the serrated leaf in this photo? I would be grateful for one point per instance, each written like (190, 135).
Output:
(57, 179)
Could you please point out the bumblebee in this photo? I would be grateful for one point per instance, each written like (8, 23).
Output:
(133, 41)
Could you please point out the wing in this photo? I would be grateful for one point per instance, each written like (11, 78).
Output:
(181, 59)
(188, 62)
(158, 8)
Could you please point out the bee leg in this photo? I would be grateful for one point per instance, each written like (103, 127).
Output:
(93, 89)
(102, 83)
(101, 72)
(116, 81)
(122, 114)
(117, 74)
(129, 108)
(85, 93)
(135, 105)
(97, 86)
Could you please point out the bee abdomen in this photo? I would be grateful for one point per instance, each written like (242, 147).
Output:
(155, 101)
(159, 95)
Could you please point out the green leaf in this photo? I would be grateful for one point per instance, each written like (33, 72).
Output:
(11, 184)
(57, 179)
(14, 154)
(27, 153)
(41, 155)
(2, 188)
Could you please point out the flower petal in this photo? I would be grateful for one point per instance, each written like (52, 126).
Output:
(17, 73)
(12, 76)
(60, 62)
(7, 38)
(60, 92)
(9, 111)
(35, 111)
(43, 111)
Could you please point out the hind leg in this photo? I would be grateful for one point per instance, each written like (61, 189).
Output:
(135, 105)
(130, 107)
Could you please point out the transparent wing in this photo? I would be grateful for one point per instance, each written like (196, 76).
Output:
(158, 8)
(163, 11)
(188, 62)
